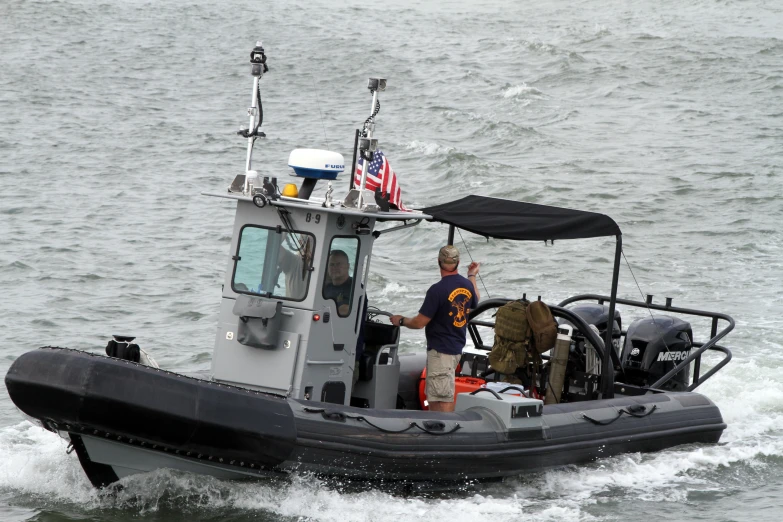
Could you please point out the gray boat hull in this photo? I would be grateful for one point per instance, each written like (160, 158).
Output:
(124, 418)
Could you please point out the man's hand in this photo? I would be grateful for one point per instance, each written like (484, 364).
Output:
(395, 319)
(473, 270)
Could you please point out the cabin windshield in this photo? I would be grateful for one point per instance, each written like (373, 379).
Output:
(272, 263)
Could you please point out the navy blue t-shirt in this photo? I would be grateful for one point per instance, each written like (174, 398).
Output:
(447, 304)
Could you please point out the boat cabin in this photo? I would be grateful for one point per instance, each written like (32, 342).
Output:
(294, 298)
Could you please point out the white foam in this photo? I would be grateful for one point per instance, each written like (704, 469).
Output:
(429, 149)
(517, 90)
(392, 288)
(33, 461)
(302, 499)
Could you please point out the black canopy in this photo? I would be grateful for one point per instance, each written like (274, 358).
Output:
(505, 219)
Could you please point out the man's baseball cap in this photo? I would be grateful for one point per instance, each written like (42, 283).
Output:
(449, 255)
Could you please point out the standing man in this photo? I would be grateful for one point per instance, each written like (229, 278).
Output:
(445, 316)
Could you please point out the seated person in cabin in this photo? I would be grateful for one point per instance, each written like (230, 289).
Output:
(339, 285)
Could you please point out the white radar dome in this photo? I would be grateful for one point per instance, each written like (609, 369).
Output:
(316, 163)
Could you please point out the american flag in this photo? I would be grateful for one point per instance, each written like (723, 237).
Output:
(380, 175)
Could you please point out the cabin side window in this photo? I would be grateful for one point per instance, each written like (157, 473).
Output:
(341, 273)
(272, 263)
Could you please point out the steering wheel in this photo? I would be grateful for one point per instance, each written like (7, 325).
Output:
(373, 312)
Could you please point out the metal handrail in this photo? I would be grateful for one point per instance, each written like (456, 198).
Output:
(597, 342)
(694, 356)
(723, 362)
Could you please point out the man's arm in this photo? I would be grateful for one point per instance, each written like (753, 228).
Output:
(415, 323)
(429, 307)
(473, 271)
(286, 260)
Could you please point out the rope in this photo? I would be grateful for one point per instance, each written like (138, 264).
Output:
(336, 415)
(620, 414)
(649, 311)
(411, 425)
(471, 259)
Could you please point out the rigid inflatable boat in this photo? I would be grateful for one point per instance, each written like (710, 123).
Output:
(293, 334)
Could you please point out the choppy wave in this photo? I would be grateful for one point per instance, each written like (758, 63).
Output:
(518, 90)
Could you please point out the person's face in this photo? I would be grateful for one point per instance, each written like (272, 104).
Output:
(338, 268)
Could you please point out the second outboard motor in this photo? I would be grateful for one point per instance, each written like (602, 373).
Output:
(598, 315)
(653, 347)
(584, 366)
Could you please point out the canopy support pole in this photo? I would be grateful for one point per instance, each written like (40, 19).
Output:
(451, 235)
(607, 368)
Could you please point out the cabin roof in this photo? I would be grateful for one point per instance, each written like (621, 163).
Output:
(506, 219)
(317, 204)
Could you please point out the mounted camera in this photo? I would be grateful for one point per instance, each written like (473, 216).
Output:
(377, 84)
(367, 148)
(258, 61)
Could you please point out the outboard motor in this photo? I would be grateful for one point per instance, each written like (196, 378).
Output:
(653, 347)
(598, 316)
(583, 371)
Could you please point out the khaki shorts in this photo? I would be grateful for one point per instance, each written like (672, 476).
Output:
(440, 376)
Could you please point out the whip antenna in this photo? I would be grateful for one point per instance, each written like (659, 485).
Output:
(318, 103)
(649, 310)
(471, 259)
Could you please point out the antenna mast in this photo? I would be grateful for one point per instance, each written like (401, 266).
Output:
(367, 144)
(255, 112)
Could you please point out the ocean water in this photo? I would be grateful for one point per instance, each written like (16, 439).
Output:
(667, 116)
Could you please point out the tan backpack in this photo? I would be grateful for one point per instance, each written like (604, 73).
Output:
(542, 325)
(512, 337)
(511, 321)
(523, 330)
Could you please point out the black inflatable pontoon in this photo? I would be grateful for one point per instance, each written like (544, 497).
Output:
(123, 418)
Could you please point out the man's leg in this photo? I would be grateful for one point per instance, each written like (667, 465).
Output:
(439, 387)
(441, 406)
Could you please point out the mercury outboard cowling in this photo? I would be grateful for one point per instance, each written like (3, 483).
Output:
(583, 370)
(653, 347)
(598, 315)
